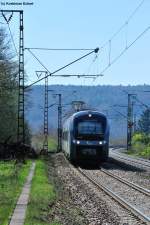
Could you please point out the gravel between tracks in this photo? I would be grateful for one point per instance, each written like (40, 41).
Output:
(133, 175)
(134, 197)
(95, 206)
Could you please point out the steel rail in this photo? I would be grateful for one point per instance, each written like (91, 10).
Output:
(117, 198)
(130, 184)
(132, 157)
(136, 161)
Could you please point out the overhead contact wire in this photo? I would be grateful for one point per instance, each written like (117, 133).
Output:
(63, 67)
(122, 53)
(124, 24)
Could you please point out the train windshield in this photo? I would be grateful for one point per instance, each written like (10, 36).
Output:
(89, 128)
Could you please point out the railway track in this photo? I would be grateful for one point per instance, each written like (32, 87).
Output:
(121, 200)
(135, 161)
(130, 184)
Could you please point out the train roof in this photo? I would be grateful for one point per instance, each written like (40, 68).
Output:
(82, 113)
(86, 112)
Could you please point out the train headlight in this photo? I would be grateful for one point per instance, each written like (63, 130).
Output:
(102, 142)
(78, 142)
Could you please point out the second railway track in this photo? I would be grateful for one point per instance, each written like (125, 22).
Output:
(117, 190)
(136, 161)
(129, 183)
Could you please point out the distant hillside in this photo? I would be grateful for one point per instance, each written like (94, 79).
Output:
(98, 97)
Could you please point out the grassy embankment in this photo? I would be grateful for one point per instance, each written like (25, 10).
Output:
(12, 179)
(42, 195)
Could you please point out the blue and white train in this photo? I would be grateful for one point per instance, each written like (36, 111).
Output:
(85, 137)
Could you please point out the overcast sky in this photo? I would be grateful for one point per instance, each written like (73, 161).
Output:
(86, 24)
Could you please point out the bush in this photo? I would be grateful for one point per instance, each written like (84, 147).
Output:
(138, 147)
(137, 138)
(141, 145)
(145, 153)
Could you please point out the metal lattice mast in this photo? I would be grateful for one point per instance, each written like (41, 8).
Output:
(21, 128)
(134, 122)
(45, 143)
(130, 120)
(59, 124)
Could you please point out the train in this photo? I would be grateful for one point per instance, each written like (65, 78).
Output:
(85, 137)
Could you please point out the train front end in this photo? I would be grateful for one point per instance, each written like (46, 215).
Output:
(90, 137)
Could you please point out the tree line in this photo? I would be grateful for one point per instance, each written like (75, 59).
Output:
(9, 92)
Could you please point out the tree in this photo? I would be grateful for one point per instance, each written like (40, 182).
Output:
(8, 92)
(144, 122)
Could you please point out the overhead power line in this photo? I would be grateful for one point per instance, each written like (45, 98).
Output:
(123, 25)
(119, 112)
(143, 104)
(63, 67)
(113, 108)
(127, 48)
(61, 49)
(136, 99)
(135, 11)
(12, 40)
(39, 61)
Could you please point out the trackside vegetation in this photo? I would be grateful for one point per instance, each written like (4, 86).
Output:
(42, 195)
(37, 142)
(141, 145)
(12, 179)
(141, 139)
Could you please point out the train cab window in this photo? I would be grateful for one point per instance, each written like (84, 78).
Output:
(89, 129)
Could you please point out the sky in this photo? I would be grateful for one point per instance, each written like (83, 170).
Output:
(86, 24)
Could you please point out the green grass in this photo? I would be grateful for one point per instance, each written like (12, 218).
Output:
(12, 178)
(42, 195)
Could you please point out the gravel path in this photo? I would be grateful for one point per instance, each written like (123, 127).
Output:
(19, 214)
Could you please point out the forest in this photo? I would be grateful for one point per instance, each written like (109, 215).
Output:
(111, 100)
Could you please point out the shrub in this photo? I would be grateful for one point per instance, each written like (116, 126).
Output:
(138, 137)
(141, 145)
